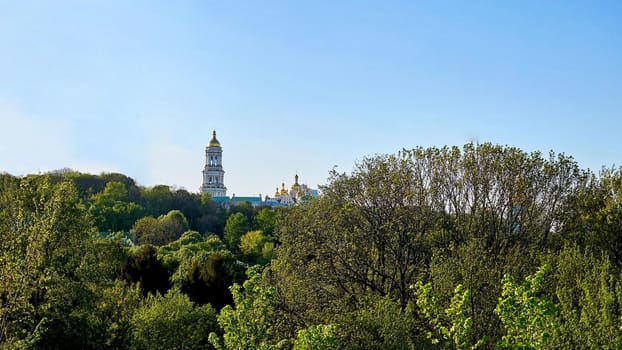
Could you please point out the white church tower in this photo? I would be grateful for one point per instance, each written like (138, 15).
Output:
(213, 175)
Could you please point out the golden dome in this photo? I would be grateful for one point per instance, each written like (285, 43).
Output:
(283, 190)
(296, 186)
(214, 142)
(276, 194)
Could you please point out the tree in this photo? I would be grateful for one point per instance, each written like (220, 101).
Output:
(245, 208)
(133, 192)
(190, 205)
(157, 200)
(257, 247)
(468, 216)
(143, 266)
(249, 324)
(595, 215)
(109, 320)
(266, 220)
(45, 271)
(86, 184)
(237, 225)
(172, 322)
(588, 291)
(378, 322)
(213, 217)
(207, 277)
(174, 222)
(110, 209)
(162, 230)
(530, 320)
(317, 337)
(147, 229)
(451, 327)
(366, 234)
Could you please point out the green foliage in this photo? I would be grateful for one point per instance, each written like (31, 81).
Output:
(478, 270)
(162, 230)
(143, 266)
(377, 323)
(589, 291)
(595, 216)
(463, 216)
(530, 320)
(190, 205)
(110, 208)
(171, 322)
(208, 276)
(237, 225)
(111, 316)
(202, 268)
(317, 337)
(451, 326)
(45, 233)
(157, 200)
(265, 220)
(245, 208)
(249, 324)
(187, 246)
(257, 247)
(344, 266)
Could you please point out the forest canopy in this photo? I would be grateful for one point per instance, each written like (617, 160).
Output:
(481, 246)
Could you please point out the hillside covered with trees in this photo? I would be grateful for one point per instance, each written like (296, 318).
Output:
(479, 247)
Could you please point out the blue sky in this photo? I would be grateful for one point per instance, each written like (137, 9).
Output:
(137, 86)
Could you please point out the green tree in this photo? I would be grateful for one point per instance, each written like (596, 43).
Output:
(44, 268)
(257, 247)
(157, 200)
(245, 208)
(237, 225)
(595, 215)
(317, 337)
(451, 327)
(144, 267)
(530, 320)
(464, 215)
(172, 322)
(249, 324)
(110, 209)
(190, 205)
(379, 322)
(86, 184)
(162, 230)
(110, 319)
(207, 276)
(213, 217)
(588, 289)
(266, 220)
(133, 192)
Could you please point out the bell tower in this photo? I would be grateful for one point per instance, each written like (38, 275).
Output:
(213, 174)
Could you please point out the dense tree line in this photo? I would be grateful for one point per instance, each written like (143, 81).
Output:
(431, 236)
(97, 262)
(483, 246)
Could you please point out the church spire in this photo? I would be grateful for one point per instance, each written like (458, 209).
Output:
(296, 186)
(213, 173)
